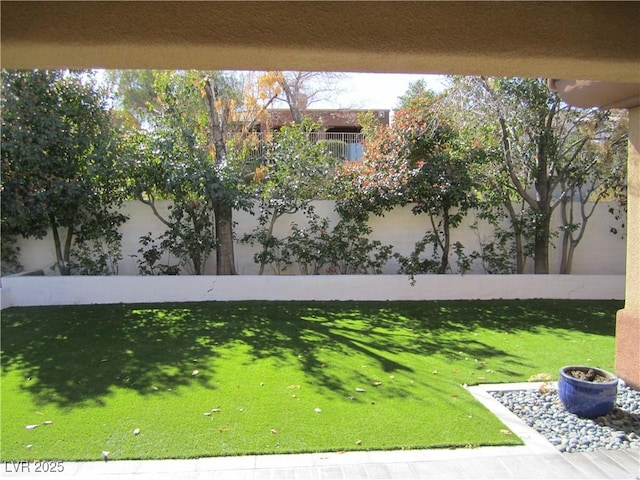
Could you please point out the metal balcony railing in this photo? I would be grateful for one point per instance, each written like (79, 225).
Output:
(342, 145)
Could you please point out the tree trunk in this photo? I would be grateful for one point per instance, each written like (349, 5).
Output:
(225, 259)
(62, 256)
(223, 210)
(567, 220)
(541, 244)
(565, 265)
(572, 248)
(195, 252)
(543, 201)
(517, 237)
(272, 223)
(444, 261)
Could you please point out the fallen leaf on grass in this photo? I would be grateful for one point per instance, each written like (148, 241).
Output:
(274, 431)
(505, 431)
(377, 383)
(358, 442)
(136, 431)
(360, 390)
(31, 427)
(47, 422)
(195, 372)
(317, 410)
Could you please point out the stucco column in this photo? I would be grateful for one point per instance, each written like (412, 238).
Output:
(628, 319)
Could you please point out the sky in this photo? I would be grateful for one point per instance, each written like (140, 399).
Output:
(376, 91)
(370, 91)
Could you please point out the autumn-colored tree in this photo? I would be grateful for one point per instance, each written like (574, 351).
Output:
(298, 90)
(416, 162)
(213, 115)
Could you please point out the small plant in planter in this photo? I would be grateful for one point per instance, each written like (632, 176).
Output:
(587, 391)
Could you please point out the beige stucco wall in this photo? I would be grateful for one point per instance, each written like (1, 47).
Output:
(599, 253)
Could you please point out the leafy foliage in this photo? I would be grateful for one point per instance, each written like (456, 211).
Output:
(417, 161)
(294, 171)
(151, 253)
(351, 252)
(539, 155)
(10, 254)
(173, 159)
(61, 169)
(317, 248)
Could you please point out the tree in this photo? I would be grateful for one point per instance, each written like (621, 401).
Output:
(298, 90)
(221, 101)
(509, 247)
(539, 153)
(171, 161)
(212, 115)
(60, 166)
(416, 161)
(295, 170)
(599, 173)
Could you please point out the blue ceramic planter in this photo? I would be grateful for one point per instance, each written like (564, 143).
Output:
(584, 398)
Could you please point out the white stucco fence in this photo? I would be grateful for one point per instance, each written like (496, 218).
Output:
(599, 252)
(43, 290)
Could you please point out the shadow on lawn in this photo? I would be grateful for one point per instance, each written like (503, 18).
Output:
(71, 355)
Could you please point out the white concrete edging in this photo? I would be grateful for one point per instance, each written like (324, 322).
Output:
(49, 290)
(534, 441)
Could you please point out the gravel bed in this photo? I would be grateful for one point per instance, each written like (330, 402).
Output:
(542, 410)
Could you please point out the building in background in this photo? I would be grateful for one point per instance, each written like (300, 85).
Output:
(339, 128)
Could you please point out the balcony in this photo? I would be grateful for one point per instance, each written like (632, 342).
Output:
(346, 146)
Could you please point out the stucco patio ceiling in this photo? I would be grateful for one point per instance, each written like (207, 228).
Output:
(586, 40)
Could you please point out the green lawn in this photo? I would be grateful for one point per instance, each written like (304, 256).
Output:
(230, 378)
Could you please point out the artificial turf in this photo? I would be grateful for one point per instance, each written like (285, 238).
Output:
(232, 378)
